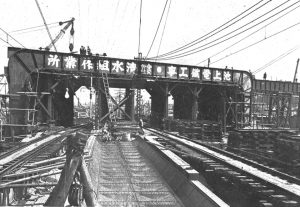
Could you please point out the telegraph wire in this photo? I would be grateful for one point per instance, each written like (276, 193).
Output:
(215, 31)
(256, 42)
(164, 27)
(157, 27)
(196, 50)
(277, 59)
(249, 36)
(12, 37)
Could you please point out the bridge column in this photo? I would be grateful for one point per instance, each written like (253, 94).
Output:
(195, 107)
(166, 101)
(181, 103)
(100, 106)
(129, 107)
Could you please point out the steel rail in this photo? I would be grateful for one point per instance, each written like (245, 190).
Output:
(237, 163)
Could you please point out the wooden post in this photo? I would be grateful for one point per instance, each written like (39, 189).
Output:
(50, 102)
(88, 190)
(74, 157)
(129, 106)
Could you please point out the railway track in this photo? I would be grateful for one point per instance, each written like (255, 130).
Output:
(239, 181)
(34, 151)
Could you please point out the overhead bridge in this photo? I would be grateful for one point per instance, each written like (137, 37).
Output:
(198, 92)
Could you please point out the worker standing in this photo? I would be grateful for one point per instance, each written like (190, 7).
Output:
(141, 125)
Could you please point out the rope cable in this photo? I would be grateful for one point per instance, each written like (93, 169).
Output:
(34, 27)
(35, 30)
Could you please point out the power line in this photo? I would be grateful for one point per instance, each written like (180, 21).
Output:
(164, 27)
(6, 42)
(249, 36)
(277, 59)
(112, 25)
(190, 52)
(215, 31)
(12, 37)
(257, 42)
(162, 14)
(196, 50)
(40, 10)
(120, 24)
(140, 25)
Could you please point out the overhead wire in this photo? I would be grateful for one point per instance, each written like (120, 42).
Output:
(140, 25)
(158, 26)
(190, 52)
(120, 24)
(215, 31)
(112, 25)
(198, 49)
(12, 37)
(6, 42)
(277, 59)
(255, 43)
(247, 37)
(164, 27)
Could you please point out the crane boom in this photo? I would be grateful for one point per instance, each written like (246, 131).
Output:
(61, 33)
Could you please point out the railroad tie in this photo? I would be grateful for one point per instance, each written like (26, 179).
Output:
(278, 199)
(264, 203)
(290, 203)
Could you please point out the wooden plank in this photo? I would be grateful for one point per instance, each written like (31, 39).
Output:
(88, 188)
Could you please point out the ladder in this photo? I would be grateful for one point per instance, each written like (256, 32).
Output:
(110, 105)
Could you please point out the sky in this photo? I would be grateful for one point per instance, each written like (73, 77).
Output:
(112, 26)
